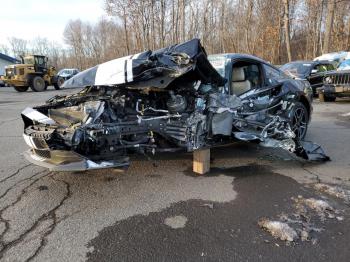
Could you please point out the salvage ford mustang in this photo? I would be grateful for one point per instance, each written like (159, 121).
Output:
(173, 99)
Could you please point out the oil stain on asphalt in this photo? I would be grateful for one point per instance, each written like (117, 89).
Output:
(212, 231)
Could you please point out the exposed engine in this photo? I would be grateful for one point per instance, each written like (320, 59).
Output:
(103, 122)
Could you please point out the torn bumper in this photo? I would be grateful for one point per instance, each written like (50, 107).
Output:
(60, 160)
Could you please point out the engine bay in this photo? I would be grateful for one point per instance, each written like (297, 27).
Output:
(104, 123)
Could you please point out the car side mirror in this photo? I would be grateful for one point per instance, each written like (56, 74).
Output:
(314, 71)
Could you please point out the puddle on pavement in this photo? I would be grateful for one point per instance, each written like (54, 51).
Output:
(229, 231)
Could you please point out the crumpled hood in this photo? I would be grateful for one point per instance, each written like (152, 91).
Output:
(152, 68)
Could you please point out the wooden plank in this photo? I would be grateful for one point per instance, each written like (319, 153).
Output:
(201, 161)
(321, 96)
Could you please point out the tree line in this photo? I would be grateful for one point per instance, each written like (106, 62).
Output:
(275, 30)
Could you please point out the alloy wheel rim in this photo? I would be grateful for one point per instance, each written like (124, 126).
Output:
(299, 122)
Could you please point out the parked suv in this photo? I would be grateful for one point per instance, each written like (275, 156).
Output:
(336, 83)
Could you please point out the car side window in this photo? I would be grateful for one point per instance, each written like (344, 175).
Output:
(273, 76)
(40, 61)
(245, 76)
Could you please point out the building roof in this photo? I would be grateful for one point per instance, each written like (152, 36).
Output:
(8, 58)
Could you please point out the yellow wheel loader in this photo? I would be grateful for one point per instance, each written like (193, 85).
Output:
(33, 72)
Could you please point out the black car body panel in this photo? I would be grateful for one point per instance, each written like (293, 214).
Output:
(173, 99)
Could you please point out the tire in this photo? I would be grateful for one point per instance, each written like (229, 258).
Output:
(329, 98)
(299, 120)
(38, 84)
(58, 83)
(21, 88)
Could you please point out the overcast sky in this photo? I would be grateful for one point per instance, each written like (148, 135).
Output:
(28, 19)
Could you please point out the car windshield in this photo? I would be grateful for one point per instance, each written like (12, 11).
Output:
(297, 69)
(66, 71)
(218, 62)
(28, 60)
(345, 65)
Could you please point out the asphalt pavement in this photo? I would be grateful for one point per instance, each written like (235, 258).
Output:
(158, 210)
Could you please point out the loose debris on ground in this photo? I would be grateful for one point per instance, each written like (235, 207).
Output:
(278, 229)
(302, 224)
(335, 191)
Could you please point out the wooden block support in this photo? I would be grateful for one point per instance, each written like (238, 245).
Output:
(201, 161)
(321, 96)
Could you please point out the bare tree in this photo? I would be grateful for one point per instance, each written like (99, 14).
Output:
(287, 28)
(4, 49)
(276, 30)
(18, 46)
(40, 46)
(329, 25)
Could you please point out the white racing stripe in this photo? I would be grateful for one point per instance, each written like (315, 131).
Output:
(112, 72)
(129, 70)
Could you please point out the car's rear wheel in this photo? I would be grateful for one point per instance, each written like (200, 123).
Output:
(21, 88)
(38, 84)
(299, 120)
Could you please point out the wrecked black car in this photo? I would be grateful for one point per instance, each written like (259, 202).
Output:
(169, 100)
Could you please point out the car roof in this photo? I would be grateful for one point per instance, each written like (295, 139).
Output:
(240, 56)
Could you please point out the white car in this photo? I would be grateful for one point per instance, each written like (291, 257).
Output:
(336, 57)
(68, 73)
